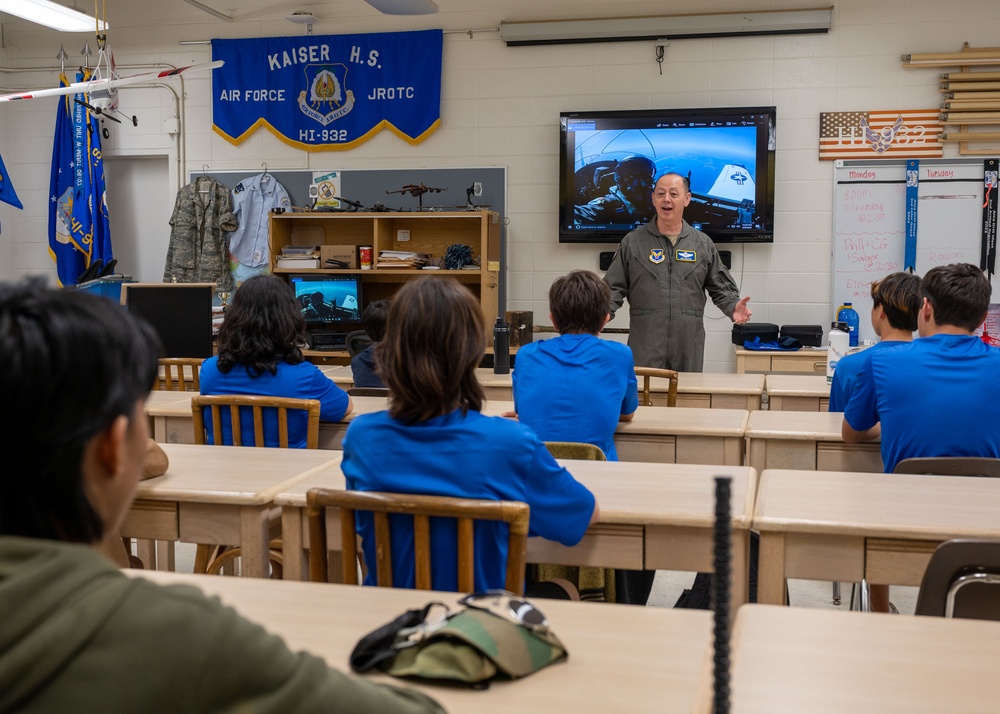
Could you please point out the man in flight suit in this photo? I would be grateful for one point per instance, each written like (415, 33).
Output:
(664, 269)
(628, 199)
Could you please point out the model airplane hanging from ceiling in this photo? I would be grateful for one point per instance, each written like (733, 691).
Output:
(100, 89)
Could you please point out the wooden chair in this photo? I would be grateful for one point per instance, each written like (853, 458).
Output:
(514, 513)
(593, 583)
(257, 404)
(187, 371)
(962, 580)
(212, 558)
(368, 391)
(950, 466)
(357, 341)
(575, 450)
(645, 399)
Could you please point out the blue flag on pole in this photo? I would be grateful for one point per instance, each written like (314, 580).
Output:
(7, 192)
(79, 232)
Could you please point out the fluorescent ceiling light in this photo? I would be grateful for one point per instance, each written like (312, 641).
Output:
(668, 27)
(51, 14)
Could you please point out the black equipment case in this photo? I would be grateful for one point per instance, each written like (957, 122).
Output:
(749, 331)
(808, 335)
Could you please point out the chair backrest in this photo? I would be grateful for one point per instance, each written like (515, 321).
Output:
(950, 466)
(179, 374)
(216, 403)
(575, 450)
(962, 580)
(465, 510)
(368, 391)
(649, 372)
(357, 341)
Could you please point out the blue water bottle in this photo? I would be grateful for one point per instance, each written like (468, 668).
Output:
(846, 313)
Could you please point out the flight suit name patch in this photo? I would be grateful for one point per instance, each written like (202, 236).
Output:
(686, 256)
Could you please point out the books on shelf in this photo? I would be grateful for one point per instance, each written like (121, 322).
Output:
(402, 259)
(298, 257)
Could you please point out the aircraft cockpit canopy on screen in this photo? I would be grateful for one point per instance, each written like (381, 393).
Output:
(609, 161)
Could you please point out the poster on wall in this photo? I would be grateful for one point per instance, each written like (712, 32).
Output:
(328, 92)
(906, 133)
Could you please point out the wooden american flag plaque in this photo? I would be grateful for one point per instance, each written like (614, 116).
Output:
(901, 134)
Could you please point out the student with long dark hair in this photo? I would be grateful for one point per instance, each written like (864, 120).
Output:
(76, 634)
(260, 353)
(433, 440)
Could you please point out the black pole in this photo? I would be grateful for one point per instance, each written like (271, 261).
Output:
(721, 596)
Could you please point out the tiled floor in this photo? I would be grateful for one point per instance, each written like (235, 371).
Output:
(802, 593)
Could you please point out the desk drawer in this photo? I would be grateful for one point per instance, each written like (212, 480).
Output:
(152, 520)
(605, 545)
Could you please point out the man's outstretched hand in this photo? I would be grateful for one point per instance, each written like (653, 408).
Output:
(741, 313)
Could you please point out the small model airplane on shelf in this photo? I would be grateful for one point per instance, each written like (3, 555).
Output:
(418, 190)
(101, 85)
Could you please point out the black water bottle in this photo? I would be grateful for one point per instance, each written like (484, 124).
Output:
(501, 347)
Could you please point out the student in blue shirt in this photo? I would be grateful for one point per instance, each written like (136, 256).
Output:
(260, 353)
(433, 440)
(895, 304)
(577, 387)
(363, 364)
(938, 395)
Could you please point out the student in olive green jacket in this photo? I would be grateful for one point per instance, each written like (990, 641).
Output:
(75, 633)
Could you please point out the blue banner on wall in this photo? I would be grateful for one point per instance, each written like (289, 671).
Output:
(331, 92)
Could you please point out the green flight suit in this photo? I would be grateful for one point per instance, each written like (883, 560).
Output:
(665, 286)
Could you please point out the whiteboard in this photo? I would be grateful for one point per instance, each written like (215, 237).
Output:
(869, 224)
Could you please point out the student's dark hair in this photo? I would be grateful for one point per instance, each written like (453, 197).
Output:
(959, 293)
(579, 302)
(435, 338)
(373, 319)
(70, 364)
(686, 181)
(263, 326)
(899, 296)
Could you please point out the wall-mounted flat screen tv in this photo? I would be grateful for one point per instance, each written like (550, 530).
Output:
(609, 159)
(330, 301)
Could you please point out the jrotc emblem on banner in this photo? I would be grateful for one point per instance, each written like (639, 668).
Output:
(656, 256)
(686, 256)
(325, 98)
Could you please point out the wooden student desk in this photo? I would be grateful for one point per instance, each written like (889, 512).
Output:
(620, 657)
(808, 360)
(693, 436)
(806, 440)
(797, 392)
(822, 525)
(653, 516)
(220, 494)
(708, 390)
(796, 660)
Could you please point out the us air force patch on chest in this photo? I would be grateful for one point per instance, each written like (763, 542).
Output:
(656, 255)
(686, 256)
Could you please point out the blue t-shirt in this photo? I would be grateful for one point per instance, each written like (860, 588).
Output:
(574, 388)
(936, 396)
(300, 381)
(470, 456)
(846, 374)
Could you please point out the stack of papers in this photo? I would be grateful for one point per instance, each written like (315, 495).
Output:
(402, 259)
(298, 257)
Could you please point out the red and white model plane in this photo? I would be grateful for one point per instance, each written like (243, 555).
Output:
(101, 86)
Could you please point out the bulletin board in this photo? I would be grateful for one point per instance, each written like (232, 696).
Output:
(869, 224)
